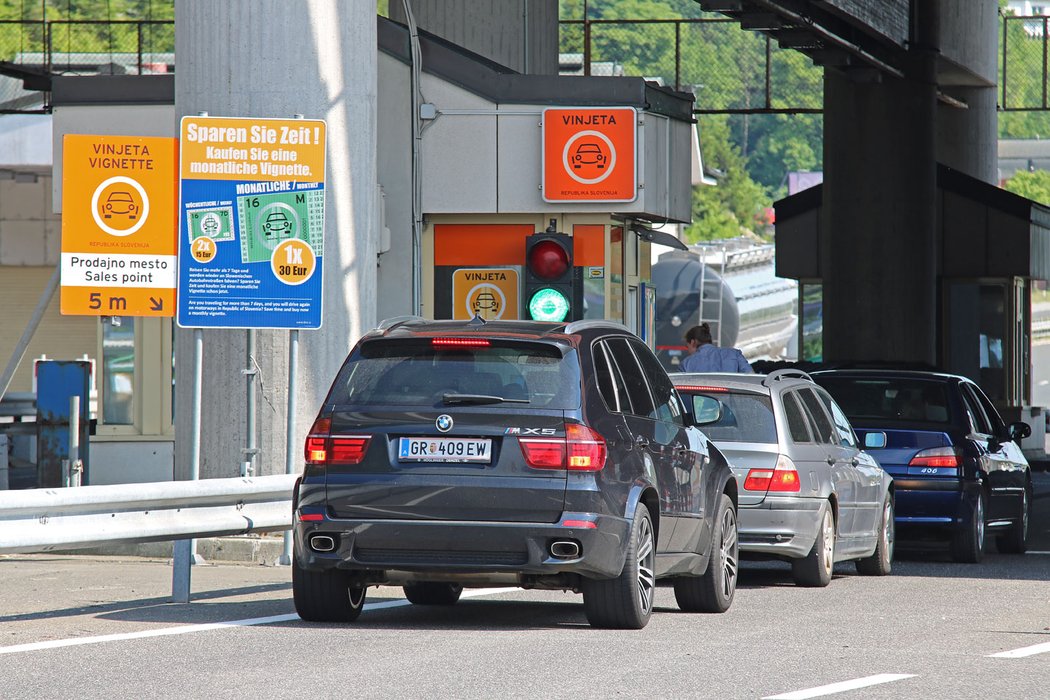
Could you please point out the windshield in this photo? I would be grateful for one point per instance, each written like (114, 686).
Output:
(415, 373)
(889, 399)
(745, 418)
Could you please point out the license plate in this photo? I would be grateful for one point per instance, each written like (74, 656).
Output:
(444, 450)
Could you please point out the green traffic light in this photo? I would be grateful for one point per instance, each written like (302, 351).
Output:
(548, 305)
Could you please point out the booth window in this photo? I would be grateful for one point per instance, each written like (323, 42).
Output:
(134, 381)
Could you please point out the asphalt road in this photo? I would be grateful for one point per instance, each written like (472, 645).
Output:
(95, 627)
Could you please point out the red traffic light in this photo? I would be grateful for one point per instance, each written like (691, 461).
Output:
(548, 260)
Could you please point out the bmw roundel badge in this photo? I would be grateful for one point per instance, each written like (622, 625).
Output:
(444, 422)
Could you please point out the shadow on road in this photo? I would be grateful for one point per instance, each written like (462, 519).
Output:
(134, 609)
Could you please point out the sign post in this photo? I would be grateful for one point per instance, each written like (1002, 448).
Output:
(251, 222)
(118, 226)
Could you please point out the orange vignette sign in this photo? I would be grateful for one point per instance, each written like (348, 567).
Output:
(590, 154)
(118, 225)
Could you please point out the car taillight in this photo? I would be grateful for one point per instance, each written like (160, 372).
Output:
(938, 457)
(460, 342)
(703, 389)
(323, 448)
(316, 442)
(783, 478)
(347, 449)
(586, 448)
(581, 450)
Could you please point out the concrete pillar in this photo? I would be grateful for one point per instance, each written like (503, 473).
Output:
(968, 139)
(967, 134)
(272, 58)
(877, 255)
(519, 34)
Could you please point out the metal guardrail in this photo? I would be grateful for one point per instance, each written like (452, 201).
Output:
(42, 520)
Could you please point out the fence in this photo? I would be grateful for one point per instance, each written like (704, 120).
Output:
(79, 47)
(728, 69)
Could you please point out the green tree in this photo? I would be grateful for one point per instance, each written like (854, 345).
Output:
(1034, 185)
(736, 204)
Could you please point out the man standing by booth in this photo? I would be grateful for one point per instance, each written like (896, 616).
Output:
(705, 356)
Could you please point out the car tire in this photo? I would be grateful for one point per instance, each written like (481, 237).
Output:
(325, 596)
(880, 563)
(432, 593)
(968, 543)
(1015, 540)
(814, 570)
(626, 602)
(713, 591)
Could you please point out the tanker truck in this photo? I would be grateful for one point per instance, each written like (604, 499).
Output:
(732, 286)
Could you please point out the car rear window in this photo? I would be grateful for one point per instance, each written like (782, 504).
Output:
(417, 373)
(900, 399)
(745, 418)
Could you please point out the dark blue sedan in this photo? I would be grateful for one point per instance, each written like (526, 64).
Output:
(957, 467)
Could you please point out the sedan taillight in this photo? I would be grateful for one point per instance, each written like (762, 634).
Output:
(783, 478)
(322, 448)
(581, 450)
(939, 458)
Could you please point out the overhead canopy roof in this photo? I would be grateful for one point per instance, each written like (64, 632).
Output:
(983, 231)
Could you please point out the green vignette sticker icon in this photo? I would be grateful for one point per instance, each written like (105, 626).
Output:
(266, 220)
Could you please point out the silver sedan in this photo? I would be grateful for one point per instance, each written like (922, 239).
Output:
(808, 493)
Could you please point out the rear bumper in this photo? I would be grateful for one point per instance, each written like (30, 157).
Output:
(465, 547)
(780, 526)
(923, 506)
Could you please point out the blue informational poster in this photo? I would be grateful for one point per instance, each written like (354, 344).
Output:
(251, 223)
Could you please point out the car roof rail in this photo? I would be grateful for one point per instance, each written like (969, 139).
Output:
(577, 326)
(389, 323)
(779, 375)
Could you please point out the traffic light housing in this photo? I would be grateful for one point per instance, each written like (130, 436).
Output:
(553, 286)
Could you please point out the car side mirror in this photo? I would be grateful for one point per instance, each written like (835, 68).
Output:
(1018, 431)
(874, 441)
(706, 410)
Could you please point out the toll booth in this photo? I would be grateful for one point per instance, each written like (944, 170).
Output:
(991, 244)
(61, 435)
(595, 162)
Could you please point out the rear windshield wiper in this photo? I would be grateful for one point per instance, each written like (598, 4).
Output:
(449, 399)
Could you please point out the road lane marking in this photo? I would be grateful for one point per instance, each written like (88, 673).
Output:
(207, 627)
(841, 687)
(1022, 652)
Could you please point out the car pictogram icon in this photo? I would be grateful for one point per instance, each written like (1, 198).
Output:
(588, 154)
(277, 225)
(486, 301)
(121, 203)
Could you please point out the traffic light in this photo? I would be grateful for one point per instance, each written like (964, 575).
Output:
(553, 287)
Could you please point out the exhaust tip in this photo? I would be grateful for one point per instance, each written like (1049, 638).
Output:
(565, 549)
(322, 543)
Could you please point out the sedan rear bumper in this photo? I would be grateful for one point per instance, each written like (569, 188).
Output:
(925, 505)
(780, 526)
(466, 547)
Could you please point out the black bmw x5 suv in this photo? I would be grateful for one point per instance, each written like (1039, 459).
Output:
(540, 455)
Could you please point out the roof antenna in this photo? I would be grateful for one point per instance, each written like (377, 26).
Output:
(477, 320)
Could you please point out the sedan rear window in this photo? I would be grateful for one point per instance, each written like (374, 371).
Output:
(416, 373)
(889, 399)
(745, 418)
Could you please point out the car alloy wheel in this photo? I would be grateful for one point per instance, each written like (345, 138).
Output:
(968, 542)
(815, 569)
(828, 527)
(626, 602)
(646, 566)
(728, 553)
(978, 516)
